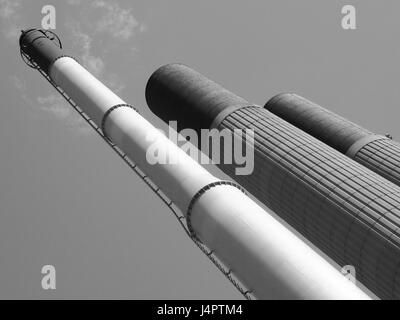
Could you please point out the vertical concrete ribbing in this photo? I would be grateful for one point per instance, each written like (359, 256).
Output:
(347, 211)
(378, 153)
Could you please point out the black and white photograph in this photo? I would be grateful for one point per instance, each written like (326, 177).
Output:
(198, 154)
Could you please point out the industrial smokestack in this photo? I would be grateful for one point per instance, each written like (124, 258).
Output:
(346, 210)
(376, 152)
(266, 257)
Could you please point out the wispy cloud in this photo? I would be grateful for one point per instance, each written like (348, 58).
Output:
(100, 27)
(74, 2)
(56, 105)
(20, 86)
(116, 21)
(84, 45)
(52, 104)
(111, 18)
(8, 8)
(11, 23)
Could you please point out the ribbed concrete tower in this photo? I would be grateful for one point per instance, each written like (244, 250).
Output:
(345, 209)
(376, 152)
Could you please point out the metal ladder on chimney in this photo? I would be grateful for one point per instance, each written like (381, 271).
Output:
(173, 208)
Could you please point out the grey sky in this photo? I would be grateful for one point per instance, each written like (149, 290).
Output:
(68, 200)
